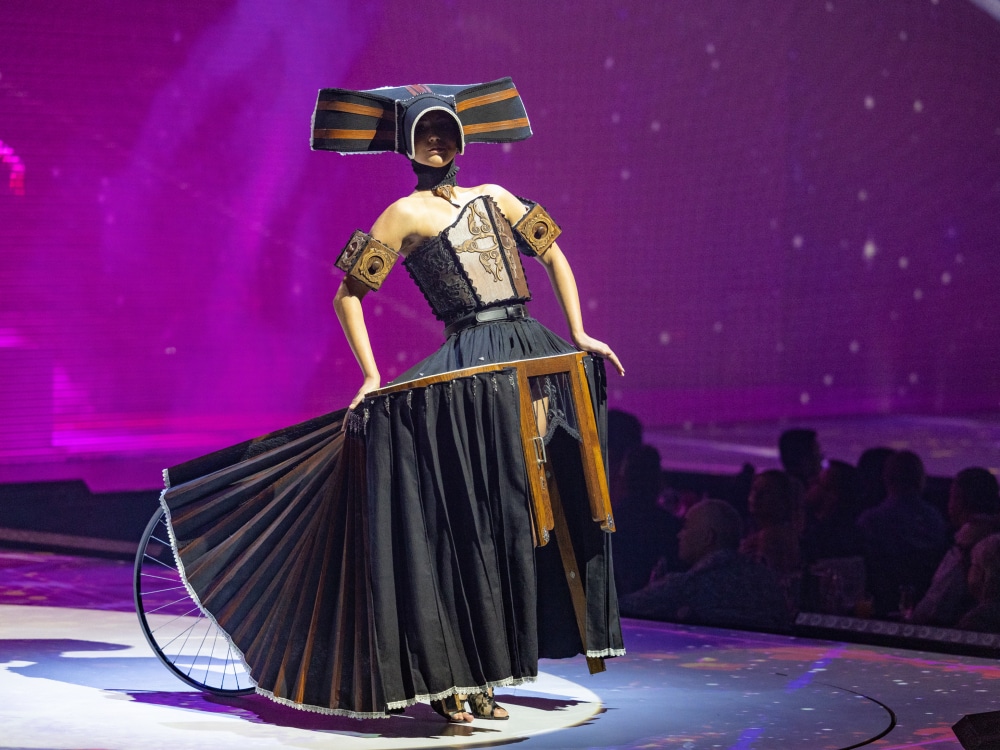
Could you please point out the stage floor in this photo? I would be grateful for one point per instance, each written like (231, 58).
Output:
(75, 672)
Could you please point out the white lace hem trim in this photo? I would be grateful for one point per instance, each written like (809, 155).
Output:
(392, 706)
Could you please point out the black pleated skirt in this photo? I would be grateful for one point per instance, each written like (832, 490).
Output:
(361, 570)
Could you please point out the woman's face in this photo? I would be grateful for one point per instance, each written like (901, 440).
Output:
(435, 139)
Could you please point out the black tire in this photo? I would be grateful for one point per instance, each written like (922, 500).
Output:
(186, 640)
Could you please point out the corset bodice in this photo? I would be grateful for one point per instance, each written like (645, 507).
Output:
(471, 265)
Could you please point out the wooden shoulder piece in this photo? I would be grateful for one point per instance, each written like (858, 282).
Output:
(367, 260)
(537, 229)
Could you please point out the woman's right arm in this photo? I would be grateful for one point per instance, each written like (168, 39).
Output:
(347, 303)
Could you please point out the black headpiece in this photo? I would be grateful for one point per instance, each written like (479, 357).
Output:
(383, 119)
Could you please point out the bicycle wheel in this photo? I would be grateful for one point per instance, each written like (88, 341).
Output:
(187, 641)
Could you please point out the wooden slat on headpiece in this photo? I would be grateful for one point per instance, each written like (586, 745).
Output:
(492, 113)
(353, 121)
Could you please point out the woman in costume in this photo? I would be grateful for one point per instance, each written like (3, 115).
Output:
(365, 569)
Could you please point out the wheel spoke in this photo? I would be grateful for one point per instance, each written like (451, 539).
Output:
(151, 592)
(168, 565)
(182, 636)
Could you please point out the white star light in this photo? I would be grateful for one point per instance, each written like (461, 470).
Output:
(869, 102)
(664, 338)
(904, 262)
(870, 250)
(946, 278)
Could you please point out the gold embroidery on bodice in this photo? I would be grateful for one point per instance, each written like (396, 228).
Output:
(482, 241)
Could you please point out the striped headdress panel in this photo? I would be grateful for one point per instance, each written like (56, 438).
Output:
(370, 121)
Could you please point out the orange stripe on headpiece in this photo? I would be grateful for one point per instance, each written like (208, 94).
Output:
(334, 134)
(490, 127)
(356, 109)
(480, 101)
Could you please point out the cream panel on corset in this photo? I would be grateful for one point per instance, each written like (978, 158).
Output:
(476, 244)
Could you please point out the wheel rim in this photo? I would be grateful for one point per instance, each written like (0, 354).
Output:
(183, 637)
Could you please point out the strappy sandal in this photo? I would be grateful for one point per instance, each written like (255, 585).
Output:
(451, 708)
(483, 706)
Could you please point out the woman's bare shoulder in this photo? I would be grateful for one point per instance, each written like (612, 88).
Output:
(396, 221)
(509, 203)
(494, 191)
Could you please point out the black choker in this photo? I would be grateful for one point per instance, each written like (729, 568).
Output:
(439, 180)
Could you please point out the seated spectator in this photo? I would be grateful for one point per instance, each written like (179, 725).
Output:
(974, 512)
(774, 509)
(984, 584)
(832, 509)
(905, 536)
(801, 456)
(644, 532)
(624, 435)
(871, 467)
(722, 588)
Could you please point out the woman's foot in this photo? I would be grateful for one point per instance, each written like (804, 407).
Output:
(453, 709)
(483, 706)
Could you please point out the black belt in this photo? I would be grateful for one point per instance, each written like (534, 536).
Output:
(511, 312)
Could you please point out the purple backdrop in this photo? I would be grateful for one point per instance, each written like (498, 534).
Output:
(771, 213)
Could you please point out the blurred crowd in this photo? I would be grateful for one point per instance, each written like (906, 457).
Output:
(870, 540)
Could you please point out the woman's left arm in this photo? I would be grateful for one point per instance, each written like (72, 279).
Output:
(564, 286)
(563, 281)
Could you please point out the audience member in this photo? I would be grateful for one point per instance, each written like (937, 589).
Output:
(871, 467)
(624, 435)
(722, 588)
(905, 537)
(974, 512)
(644, 532)
(984, 585)
(775, 512)
(832, 508)
(801, 455)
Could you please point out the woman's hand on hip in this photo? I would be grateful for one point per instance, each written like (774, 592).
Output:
(370, 384)
(592, 345)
